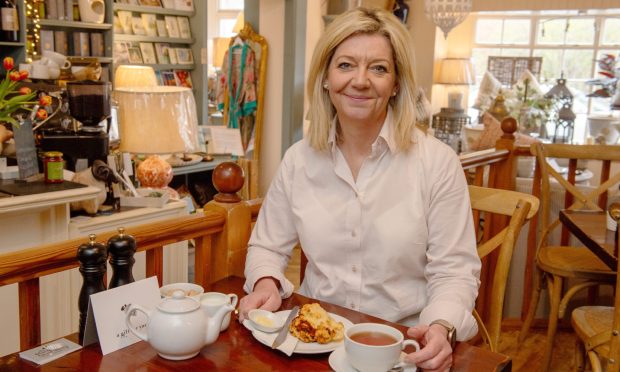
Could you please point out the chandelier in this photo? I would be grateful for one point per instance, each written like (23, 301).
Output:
(447, 14)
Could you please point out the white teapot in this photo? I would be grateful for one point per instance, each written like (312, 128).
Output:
(178, 328)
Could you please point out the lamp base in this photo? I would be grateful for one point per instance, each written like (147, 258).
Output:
(155, 172)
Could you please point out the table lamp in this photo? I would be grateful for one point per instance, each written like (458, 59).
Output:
(456, 71)
(156, 120)
(134, 76)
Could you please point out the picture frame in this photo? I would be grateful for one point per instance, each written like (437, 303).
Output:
(187, 5)
(148, 53)
(161, 28)
(163, 53)
(156, 3)
(134, 55)
(184, 56)
(184, 28)
(172, 26)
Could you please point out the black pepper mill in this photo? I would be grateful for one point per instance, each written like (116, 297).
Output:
(121, 248)
(92, 257)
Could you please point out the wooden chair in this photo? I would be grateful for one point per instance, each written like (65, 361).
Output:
(520, 208)
(595, 326)
(556, 264)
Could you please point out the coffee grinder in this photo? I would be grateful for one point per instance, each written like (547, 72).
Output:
(89, 105)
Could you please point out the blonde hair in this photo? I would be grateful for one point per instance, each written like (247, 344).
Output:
(355, 22)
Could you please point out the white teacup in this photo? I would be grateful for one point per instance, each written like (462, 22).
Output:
(371, 347)
(53, 71)
(26, 67)
(213, 301)
(60, 59)
(40, 71)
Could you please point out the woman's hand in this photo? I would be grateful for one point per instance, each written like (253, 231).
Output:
(435, 353)
(265, 295)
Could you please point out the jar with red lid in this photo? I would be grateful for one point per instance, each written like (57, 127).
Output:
(53, 165)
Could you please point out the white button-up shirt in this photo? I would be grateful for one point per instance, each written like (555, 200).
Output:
(398, 243)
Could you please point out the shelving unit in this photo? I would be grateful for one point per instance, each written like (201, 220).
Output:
(16, 50)
(169, 42)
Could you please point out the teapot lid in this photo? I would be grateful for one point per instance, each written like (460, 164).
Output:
(178, 303)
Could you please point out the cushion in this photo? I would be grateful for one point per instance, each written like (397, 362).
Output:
(533, 85)
(489, 88)
(493, 131)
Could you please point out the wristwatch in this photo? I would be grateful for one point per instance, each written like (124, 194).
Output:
(450, 328)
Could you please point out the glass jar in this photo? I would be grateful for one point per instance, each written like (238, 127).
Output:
(53, 164)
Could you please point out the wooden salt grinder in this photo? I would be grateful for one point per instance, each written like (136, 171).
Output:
(121, 248)
(92, 257)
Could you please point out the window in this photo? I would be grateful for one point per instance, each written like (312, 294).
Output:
(569, 42)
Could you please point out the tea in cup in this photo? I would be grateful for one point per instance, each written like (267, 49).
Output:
(211, 302)
(371, 347)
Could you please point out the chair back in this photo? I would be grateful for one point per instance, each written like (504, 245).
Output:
(518, 207)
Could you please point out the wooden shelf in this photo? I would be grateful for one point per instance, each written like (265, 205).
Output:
(153, 9)
(100, 59)
(57, 23)
(152, 39)
(12, 44)
(159, 66)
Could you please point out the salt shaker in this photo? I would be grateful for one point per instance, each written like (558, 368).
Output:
(121, 248)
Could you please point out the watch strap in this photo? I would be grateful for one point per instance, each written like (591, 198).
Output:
(451, 336)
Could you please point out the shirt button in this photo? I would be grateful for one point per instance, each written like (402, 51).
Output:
(354, 268)
(353, 233)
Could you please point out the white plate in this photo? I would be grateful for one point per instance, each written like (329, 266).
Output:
(304, 347)
(338, 362)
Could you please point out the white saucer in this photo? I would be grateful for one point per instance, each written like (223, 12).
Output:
(338, 362)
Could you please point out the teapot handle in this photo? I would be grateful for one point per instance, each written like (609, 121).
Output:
(131, 311)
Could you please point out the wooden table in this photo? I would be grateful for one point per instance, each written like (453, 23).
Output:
(237, 350)
(590, 227)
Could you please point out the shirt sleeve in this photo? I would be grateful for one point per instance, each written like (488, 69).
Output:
(453, 265)
(274, 235)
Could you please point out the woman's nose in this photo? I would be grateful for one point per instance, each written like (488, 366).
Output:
(361, 78)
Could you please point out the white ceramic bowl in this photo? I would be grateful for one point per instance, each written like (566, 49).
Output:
(265, 321)
(190, 289)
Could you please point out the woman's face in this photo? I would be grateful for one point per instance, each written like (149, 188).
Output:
(361, 78)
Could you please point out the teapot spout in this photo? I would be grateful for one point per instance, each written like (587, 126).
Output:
(215, 322)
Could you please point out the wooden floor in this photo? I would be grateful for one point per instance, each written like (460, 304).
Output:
(527, 357)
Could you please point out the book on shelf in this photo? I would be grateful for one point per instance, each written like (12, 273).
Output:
(68, 10)
(184, 29)
(51, 10)
(184, 56)
(163, 53)
(172, 26)
(150, 3)
(172, 54)
(81, 44)
(183, 78)
(148, 53)
(120, 52)
(134, 54)
(97, 47)
(60, 9)
(160, 81)
(161, 28)
(61, 44)
(168, 78)
(46, 41)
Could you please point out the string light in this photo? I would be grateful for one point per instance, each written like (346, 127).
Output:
(32, 14)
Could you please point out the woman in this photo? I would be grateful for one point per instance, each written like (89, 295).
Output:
(380, 208)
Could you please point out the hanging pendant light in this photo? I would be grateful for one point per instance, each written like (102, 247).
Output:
(447, 14)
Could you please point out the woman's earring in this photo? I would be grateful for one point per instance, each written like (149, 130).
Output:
(325, 85)
(394, 93)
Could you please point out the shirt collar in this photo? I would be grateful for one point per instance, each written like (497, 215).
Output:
(385, 137)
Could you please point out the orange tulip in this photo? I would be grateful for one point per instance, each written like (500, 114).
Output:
(14, 76)
(45, 101)
(8, 63)
(23, 74)
(25, 90)
(41, 114)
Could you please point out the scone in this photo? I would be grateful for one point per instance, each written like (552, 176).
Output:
(313, 324)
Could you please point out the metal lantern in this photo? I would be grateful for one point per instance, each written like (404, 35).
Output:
(447, 125)
(563, 116)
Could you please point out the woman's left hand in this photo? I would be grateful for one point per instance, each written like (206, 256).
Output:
(435, 352)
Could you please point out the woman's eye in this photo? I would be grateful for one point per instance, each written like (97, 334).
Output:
(344, 65)
(380, 68)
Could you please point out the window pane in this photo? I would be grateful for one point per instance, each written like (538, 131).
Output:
(480, 57)
(515, 52)
(610, 31)
(488, 31)
(578, 63)
(516, 31)
(551, 31)
(551, 63)
(230, 4)
(580, 31)
(226, 27)
(579, 89)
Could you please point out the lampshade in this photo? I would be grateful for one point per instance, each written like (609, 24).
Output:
(447, 14)
(134, 76)
(456, 71)
(157, 120)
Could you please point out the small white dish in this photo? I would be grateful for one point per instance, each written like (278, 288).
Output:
(265, 321)
(338, 362)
